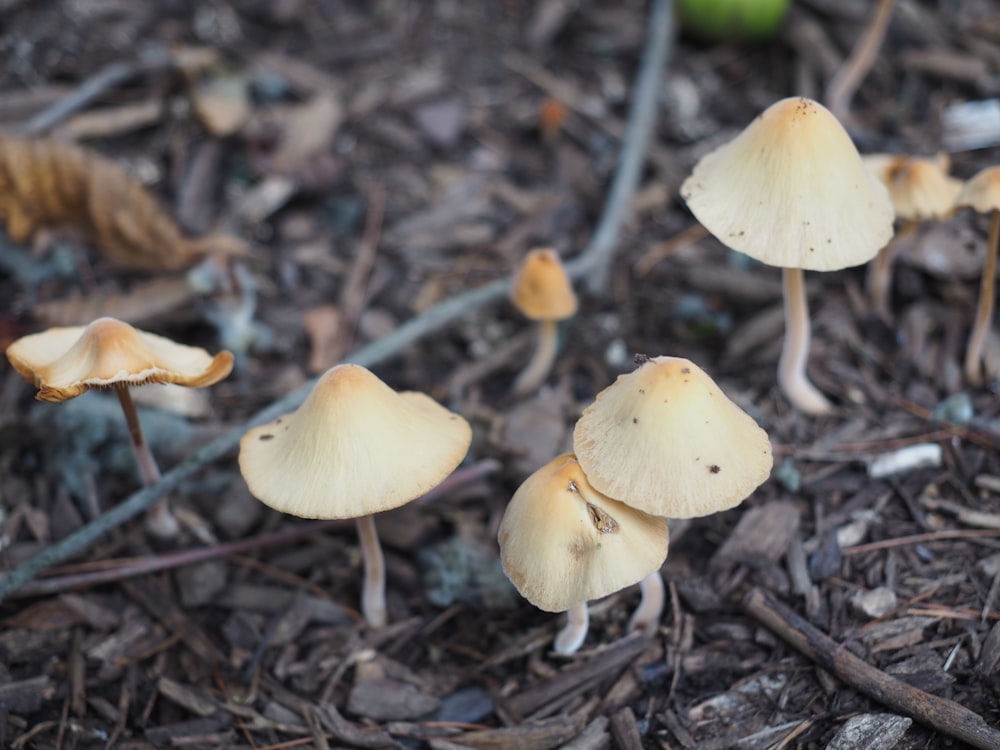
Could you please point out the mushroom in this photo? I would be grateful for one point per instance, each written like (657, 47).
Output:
(64, 362)
(791, 191)
(563, 543)
(665, 439)
(541, 291)
(354, 447)
(920, 188)
(982, 193)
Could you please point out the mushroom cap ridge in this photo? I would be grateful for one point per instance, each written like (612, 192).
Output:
(64, 362)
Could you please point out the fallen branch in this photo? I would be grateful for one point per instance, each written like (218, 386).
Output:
(597, 253)
(941, 714)
(638, 131)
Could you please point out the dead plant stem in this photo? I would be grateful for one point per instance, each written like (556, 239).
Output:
(946, 716)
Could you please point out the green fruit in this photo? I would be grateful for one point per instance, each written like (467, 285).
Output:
(732, 19)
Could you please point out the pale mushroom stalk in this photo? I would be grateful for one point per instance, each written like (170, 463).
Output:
(646, 617)
(795, 351)
(540, 364)
(373, 589)
(159, 521)
(879, 276)
(574, 632)
(984, 310)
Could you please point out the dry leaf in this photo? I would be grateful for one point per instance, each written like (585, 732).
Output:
(138, 305)
(222, 103)
(51, 184)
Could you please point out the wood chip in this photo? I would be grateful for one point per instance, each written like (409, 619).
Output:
(763, 533)
(383, 699)
(871, 732)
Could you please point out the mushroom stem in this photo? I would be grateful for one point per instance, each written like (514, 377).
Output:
(646, 617)
(159, 520)
(540, 365)
(373, 589)
(792, 377)
(574, 632)
(984, 311)
(879, 276)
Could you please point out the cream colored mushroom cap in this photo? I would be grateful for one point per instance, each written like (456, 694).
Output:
(919, 187)
(665, 439)
(64, 362)
(982, 191)
(541, 288)
(791, 191)
(562, 542)
(354, 447)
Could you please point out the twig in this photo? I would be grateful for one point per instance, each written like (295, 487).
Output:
(941, 714)
(841, 89)
(931, 536)
(638, 131)
(117, 570)
(430, 321)
(352, 299)
(107, 79)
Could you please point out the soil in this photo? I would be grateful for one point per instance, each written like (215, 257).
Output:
(378, 158)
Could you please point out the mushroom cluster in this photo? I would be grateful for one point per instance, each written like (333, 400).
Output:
(661, 442)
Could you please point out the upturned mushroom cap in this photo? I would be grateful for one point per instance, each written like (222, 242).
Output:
(982, 191)
(791, 191)
(562, 542)
(919, 187)
(354, 447)
(665, 439)
(64, 362)
(541, 289)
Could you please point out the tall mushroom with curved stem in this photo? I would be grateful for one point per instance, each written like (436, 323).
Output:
(355, 447)
(920, 188)
(541, 291)
(791, 191)
(64, 362)
(982, 193)
(563, 543)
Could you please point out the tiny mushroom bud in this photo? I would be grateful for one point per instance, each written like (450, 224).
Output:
(541, 291)
(982, 193)
(64, 362)
(563, 543)
(665, 439)
(920, 188)
(791, 191)
(354, 447)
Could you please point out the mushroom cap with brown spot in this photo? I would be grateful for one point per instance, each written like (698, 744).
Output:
(982, 191)
(791, 191)
(665, 439)
(562, 542)
(919, 187)
(354, 447)
(64, 362)
(541, 289)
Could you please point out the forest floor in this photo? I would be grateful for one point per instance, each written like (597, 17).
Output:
(379, 158)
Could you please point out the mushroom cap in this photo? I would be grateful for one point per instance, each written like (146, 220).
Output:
(562, 542)
(919, 187)
(791, 191)
(64, 362)
(665, 439)
(982, 191)
(354, 447)
(541, 289)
